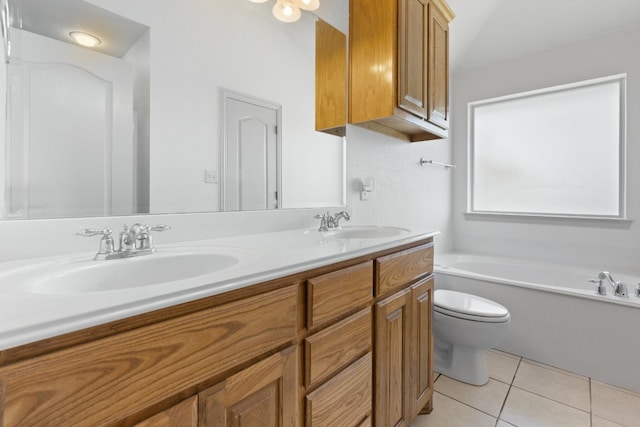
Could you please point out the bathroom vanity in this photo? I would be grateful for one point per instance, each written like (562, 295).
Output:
(335, 332)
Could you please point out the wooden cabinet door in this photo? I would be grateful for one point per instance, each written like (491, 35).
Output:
(438, 76)
(412, 56)
(422, 346)
(392, 361)
(264, 395)
(184, 414)
(331, 79)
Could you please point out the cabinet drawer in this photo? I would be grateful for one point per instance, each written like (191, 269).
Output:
(401, 268)
(345, 400)
(334, 294)
(334, 348)
(85, 385)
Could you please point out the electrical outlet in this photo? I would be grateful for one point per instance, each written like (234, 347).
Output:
(210, 176)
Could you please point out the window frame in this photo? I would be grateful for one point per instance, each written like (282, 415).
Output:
(621, 79)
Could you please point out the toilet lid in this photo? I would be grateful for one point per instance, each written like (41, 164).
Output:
(468, 305)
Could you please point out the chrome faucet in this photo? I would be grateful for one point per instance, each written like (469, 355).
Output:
(334, 222)
(329, 222)
(619, 288)
(638, 290)
(134, 241)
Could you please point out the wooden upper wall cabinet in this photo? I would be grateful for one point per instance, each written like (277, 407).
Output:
(399, 67)
(331, 79)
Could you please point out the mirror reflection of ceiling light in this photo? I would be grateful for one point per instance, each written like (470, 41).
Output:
(307, 4)
(286, 11)
(85, 39)
(290, 10)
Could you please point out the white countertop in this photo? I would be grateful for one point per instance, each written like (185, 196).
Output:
(26, 317)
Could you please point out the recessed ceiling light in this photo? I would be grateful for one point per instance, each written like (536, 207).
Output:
(85, 39)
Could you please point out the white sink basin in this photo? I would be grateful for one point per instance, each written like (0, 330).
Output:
(365, 232)
(76, 275)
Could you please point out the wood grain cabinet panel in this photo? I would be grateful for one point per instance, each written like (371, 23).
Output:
(335, 294)
(331, 79)
(412, 56)
(264, 394)
(332, 349)
(108, 380)
(344, 400)
(397, 270)
(438, 63)
(393, 361)
(422, 346)
(184, 414)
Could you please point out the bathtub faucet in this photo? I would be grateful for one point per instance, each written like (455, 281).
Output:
(619, 288)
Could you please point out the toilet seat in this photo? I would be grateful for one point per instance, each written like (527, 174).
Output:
(469, 307)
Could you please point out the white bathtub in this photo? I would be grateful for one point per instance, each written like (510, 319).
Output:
(557, 318)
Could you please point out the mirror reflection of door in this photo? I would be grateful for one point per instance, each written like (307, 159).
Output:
(250, 153)
(69, 100)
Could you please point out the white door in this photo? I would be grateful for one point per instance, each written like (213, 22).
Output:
(250, 176)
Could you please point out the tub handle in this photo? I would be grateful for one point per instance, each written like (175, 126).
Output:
(600, 288)
(621, 290)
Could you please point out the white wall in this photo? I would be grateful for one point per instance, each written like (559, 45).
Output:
(405, 193)
(607, 245)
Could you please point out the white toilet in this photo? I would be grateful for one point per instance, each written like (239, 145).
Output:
(464, 327)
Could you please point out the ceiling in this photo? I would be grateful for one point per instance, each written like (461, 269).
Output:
(55, 19)
(490, 31)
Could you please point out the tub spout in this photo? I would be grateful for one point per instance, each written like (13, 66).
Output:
(605, 275)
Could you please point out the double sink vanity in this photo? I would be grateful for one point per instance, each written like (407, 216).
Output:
(289, 328)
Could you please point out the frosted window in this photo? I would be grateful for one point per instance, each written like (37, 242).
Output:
(559, 151)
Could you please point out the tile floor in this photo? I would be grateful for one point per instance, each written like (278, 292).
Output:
(523, 393)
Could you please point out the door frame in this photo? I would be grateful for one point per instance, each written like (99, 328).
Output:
(226, 95)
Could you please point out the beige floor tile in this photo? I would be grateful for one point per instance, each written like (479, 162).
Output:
(451, 413)
(614, 404)
(553, 383)
(488, 398)
(596, 421)
(504, 424)
(502, 366)
(525, 409)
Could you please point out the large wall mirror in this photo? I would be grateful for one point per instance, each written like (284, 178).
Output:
(138, 122)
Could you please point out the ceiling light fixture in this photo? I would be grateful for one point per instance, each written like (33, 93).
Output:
(85, 39)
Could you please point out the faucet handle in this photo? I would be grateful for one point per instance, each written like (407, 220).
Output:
(159, 227)
(324, 220)
(90, 232)
(621, 290)
(106, 243)
(600, 288)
